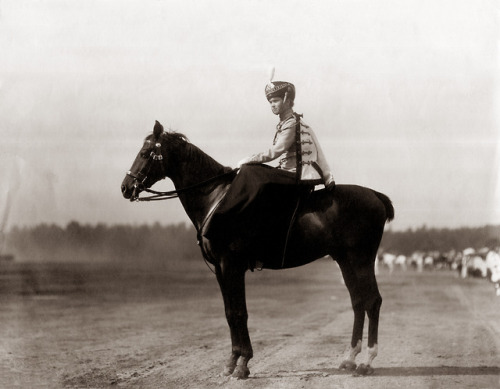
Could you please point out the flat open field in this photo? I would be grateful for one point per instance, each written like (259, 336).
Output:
(81, 326)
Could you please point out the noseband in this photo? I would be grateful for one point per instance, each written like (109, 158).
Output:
(142, 175)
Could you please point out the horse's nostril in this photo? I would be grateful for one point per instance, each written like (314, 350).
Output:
(125, 192)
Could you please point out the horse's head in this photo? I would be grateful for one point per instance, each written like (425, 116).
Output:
(148, 166)
(169, 154)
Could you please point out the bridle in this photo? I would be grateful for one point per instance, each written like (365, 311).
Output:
(141, 176)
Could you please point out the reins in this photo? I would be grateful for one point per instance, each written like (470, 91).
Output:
(157, 195)
(175, 193)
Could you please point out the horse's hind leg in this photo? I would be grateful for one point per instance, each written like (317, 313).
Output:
(351, 282)
(372, 302)
(359, 276)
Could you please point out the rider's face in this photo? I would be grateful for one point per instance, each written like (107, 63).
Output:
(277, 105)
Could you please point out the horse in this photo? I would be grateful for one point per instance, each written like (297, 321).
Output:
(346, 224)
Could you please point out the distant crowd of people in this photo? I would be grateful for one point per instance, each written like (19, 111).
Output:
(483, 263)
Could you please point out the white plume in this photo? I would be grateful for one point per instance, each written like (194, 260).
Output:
(271, 78)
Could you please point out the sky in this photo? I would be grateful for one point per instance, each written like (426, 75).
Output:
(403, 95)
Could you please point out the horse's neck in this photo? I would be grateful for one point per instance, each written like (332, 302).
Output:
(195, 168)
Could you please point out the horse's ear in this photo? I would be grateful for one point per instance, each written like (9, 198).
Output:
(158, 129)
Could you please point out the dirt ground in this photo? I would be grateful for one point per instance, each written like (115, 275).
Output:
(81, 326)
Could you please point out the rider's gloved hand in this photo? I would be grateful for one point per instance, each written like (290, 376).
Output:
(330, 185)
(243, 161)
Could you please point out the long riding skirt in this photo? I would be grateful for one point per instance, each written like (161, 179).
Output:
(259, 205)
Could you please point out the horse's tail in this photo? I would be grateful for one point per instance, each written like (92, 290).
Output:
(389, 208)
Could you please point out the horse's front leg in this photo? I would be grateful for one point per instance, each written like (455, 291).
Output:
(231, 280)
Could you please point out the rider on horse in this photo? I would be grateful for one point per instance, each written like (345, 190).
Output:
(263, 200)
(294, 141)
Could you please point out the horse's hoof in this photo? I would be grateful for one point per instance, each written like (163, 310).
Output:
(364, 370)
(230, 365)
(228, 370)
(241, 372)
(347, 365)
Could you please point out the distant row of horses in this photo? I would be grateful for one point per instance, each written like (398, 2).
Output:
(482, 263)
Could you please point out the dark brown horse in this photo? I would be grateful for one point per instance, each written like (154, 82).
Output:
(346, 224)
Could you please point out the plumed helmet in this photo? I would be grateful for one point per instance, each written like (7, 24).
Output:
(283, 89)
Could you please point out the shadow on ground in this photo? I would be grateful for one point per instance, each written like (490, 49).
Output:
(418, 371)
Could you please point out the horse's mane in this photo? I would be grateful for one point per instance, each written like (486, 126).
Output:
(177, 138)
(193, 153)
(172, 136)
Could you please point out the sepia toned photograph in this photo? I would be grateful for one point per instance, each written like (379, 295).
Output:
(250, 194)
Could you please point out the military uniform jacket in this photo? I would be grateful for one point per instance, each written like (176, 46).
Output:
(298, 148)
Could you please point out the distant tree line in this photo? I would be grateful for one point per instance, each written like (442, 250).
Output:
(167, 244)
(101, 243)
(440, 239)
